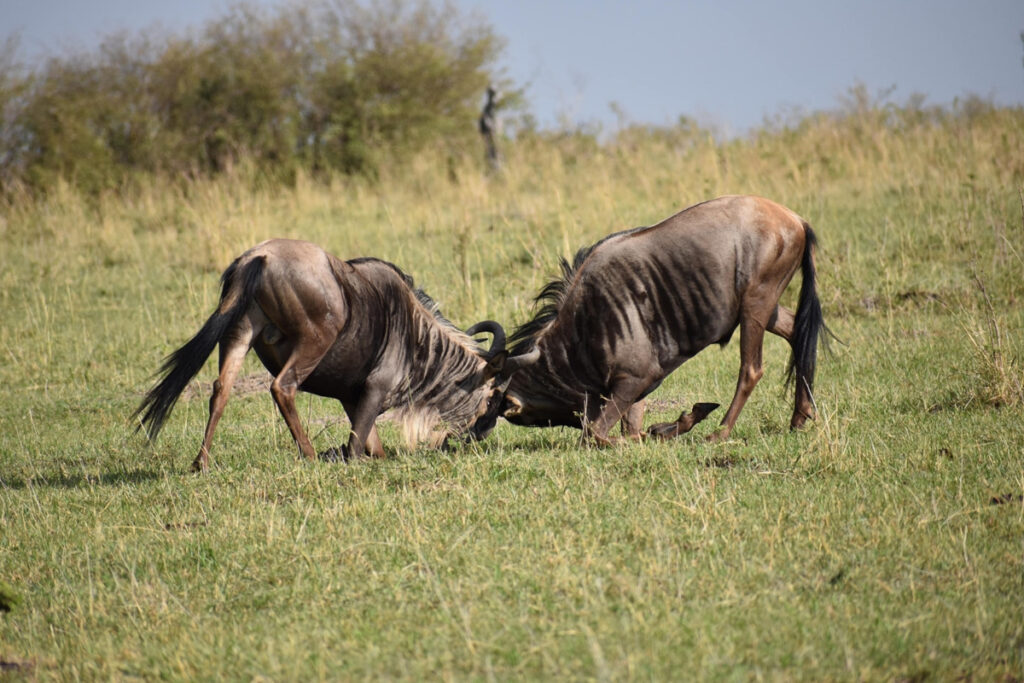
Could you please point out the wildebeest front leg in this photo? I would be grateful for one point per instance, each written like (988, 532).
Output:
(619, 406)
(373, 444)
(633, 421)
(363, 440)
(686, 422)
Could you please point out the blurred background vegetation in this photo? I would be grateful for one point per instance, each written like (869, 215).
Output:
(322, 86)
(327, 88)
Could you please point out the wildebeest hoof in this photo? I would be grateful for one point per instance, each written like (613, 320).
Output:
(334, 454)
(799, 421)
(686, 422)
(702, 410)
(719, 436)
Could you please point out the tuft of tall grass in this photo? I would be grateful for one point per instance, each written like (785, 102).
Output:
(997, 371)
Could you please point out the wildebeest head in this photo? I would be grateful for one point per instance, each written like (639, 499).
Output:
(532, 399)
(503, 369)
(537, 395)
(447, 405)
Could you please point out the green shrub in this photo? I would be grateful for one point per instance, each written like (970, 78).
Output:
(324, 86)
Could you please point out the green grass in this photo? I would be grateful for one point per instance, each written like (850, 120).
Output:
(882, 543)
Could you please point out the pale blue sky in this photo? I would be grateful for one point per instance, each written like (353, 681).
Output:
(726, 62)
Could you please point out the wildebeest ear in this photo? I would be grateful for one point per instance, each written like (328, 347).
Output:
(495, 364)
(511, 406)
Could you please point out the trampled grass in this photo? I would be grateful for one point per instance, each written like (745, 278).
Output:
(884, 542)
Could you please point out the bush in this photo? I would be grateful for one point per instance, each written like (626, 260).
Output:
(322, 85)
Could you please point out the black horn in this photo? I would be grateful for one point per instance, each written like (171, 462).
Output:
(496, 331)
(515, 363)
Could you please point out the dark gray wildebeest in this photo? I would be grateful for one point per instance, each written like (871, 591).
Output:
(636, 305)
(354, 330)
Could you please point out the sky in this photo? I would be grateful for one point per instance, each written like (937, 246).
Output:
(726, 63)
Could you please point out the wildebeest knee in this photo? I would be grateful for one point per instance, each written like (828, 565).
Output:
(752, 374)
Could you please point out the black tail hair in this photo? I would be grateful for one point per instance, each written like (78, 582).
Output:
(809, 323)
(180, 367)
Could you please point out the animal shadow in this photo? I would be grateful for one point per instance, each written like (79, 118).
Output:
(77, 481)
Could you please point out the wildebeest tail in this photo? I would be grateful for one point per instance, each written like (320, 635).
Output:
(238, 287)
(809, 323)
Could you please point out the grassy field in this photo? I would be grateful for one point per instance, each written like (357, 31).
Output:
(885, 542)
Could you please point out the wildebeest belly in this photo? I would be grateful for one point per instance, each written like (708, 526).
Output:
(341, 374)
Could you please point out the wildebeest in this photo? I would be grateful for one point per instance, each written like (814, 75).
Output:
(636, 305)
(354, 330)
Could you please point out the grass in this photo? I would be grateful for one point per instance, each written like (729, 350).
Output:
(884, 542)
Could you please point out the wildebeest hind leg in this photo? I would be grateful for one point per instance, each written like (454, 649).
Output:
(233, 347)
(300, 364)
(685, 422)
(751, 339)
(803, 406)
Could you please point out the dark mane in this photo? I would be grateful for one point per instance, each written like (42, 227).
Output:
(425, 299)
(551, 297)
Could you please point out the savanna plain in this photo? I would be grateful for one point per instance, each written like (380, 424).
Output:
(883, 542)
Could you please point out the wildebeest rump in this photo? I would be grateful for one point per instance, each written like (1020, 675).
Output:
(352, 330)
(636, 305)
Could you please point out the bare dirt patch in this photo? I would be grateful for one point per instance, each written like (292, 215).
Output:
(243, 386)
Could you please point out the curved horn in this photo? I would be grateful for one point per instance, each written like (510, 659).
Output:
(521, 361)
(496, 330)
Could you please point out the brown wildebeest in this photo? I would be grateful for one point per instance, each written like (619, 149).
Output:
(636, 305)
(352, 330)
